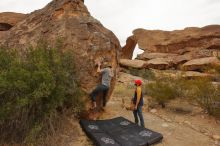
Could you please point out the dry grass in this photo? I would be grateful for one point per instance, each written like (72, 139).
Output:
(124, 91)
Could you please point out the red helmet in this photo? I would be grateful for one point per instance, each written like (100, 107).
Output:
(138, 82)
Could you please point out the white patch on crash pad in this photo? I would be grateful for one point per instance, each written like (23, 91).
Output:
(107, 140)
(93, 127)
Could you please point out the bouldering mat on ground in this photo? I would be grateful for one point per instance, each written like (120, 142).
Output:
(119, 132)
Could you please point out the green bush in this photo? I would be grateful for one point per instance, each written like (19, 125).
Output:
(162, 90)
(212, 69)
(205, 94)
(35, 84)
(202, 91)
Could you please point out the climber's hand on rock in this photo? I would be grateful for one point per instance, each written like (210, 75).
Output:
(99, 63)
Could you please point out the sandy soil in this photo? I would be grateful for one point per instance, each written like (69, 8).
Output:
(178, 129)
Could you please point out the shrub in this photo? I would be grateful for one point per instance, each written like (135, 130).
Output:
(202, 91)
(163, 90)
(206, 94)
(212, 69)
(34, 85)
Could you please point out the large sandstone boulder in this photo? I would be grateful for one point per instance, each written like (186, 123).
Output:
(127, 50)
(151, 61)
(128, 79)
(201, 41)
(69, 22)
(180, 59)
(138, 64)
(10, 19)
(149, 56)
(164, 60)
(184, 74)
(159, 63)
(171, 49)
(198, 42)
(201, 63)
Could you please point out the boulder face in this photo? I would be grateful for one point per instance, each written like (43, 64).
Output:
(159, 63)
(201, 63)
(127, 50)
(149, 56)
(10, 19)
(176, 49)
(198, 42)
(201, 42)
(138, 64)
(70, 22)
(164, 60)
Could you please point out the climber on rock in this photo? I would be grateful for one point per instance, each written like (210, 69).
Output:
(107, 73)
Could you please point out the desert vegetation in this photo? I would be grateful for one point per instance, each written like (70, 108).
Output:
(36, 86)
(199, 91)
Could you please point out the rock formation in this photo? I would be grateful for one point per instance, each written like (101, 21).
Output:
(127, 50)
(188, 49)
(149, 56)
(69, 22)
(138, 64)
(159, 63)
(9, 19)
(200, 63)
(200, 42)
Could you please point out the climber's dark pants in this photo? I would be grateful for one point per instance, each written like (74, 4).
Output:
(100, 89)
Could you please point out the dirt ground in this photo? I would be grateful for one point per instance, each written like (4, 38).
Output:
(178, 129)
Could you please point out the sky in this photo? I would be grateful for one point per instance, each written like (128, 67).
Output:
(123, 16)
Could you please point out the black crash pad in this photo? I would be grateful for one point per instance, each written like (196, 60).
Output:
(119, 132)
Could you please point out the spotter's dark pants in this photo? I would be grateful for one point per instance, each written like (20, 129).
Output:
(138, 113)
